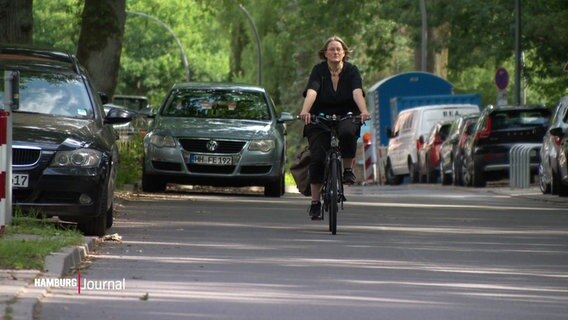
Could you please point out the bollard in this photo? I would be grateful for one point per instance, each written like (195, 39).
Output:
(520, 164)
(4, 186)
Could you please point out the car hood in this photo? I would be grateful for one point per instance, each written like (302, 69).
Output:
(50, 132)
(214, 128)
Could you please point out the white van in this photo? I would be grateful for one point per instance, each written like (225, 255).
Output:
(410, 125)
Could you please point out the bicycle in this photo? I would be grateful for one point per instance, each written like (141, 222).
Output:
(332, 189)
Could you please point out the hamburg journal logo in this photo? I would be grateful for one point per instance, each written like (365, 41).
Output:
(81, 284)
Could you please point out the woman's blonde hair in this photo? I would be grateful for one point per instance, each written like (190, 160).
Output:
(346, 49)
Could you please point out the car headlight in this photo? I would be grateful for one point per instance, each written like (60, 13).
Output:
(261, 145)
(162, 141)
(85, 158)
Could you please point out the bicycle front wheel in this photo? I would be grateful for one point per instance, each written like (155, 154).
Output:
(333, 183)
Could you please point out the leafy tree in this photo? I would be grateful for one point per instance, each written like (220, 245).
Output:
(100, 41)
(480, 35)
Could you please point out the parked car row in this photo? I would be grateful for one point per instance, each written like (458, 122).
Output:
(474, 148)
(408, 137)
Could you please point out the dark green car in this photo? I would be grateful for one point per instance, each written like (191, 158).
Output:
(218, 134)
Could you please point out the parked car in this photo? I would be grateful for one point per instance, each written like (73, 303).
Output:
(218, 134)
(429, 153)
(451, 150)
(404, 143)
(133, 102)
(486, 155)
(552, 170)
(64, 152)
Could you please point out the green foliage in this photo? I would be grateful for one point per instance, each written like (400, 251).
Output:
(131, 154)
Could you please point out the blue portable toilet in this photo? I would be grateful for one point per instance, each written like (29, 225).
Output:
(416, 83)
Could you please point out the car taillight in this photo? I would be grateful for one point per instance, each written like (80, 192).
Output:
(485, 132)
(557, 140)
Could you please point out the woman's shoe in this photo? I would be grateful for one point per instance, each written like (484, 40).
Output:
(348, 176)
(315, 211)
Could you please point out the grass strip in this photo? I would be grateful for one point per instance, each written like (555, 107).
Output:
(27, 242)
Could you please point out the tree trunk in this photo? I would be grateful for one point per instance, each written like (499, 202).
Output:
(16, 21)
(100, 41)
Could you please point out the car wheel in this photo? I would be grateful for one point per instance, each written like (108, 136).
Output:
(413, 172)
(274, 189)
(392, 179)
(96, 226)
(477, 177)
(110, 217)
(466, 175)
(430, 173)
(445, 179)
(544, 186)
(153, 184)
(562, 190)
(555, 182)
(457, 173)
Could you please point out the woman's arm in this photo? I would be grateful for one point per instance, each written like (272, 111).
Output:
(361, 104)
(307, 105)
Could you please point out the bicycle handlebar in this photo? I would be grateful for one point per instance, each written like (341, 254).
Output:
(332, 118)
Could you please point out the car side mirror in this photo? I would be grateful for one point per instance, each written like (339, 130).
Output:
(421, 139)
(118, 115)
(285, 117)
(389, 132)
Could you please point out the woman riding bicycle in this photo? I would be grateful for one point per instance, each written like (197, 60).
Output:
(334, 87)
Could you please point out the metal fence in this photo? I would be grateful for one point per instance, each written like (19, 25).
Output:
(520, 164)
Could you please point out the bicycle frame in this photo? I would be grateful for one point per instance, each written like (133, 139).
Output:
(332, 189)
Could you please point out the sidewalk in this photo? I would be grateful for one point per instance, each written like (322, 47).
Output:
(19, 296)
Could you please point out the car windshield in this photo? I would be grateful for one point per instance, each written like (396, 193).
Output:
(55, 94)
(217, 104)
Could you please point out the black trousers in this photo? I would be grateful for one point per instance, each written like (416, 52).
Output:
(319, 139)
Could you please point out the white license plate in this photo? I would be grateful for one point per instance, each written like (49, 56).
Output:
(20, 180)
(211, 160)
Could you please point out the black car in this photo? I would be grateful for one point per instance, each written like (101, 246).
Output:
(486, 152)
(553, 167)
(451, 151)
(64, 153)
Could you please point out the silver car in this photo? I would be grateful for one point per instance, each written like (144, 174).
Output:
(217, 134)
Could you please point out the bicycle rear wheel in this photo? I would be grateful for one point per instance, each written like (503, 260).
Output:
(333, 183)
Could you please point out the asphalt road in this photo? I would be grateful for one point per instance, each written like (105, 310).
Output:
(399, 254)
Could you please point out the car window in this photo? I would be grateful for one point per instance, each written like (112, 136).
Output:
(217, 104)
(519, 119)
(445, 130)
(54, 94)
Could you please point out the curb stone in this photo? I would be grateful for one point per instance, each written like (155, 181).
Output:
(19, 297)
